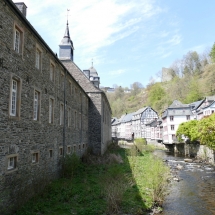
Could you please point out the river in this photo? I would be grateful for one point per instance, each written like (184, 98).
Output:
(194, 194)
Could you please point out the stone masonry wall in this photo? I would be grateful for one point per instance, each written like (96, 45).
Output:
(99, 111)
(22, 136)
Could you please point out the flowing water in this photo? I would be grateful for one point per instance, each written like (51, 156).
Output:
(194, 193)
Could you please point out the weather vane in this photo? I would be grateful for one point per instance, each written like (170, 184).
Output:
(68, 14)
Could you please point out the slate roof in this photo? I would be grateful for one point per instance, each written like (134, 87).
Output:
(209, 105)
(177, 109)
(178, 104)
(66, 39)
(127, 117)
(196, 104)
(140, 111)
(154, 123)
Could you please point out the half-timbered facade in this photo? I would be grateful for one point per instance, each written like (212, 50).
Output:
(139, 120)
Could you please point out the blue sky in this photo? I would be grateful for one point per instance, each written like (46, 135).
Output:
(129, 40)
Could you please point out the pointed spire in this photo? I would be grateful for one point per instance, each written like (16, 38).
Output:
(66, 45)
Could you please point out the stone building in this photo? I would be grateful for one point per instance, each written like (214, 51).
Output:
(167, 74)
(48, 108)
(99, 108)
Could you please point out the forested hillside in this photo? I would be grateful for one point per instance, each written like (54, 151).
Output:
(192, 78)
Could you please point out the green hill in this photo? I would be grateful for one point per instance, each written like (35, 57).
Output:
(192, 78)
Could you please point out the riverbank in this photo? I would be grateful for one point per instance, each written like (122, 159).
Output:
(192, 189)
(123, 181)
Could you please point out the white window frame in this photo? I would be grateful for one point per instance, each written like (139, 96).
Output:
(52, 72)
(61, 114)
(34, 157)
(51, 110)
(12, 162)
(13, 106)
(36, 112)
(17, 38)
(38, 58)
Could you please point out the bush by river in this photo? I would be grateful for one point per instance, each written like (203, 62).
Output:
(123, 181)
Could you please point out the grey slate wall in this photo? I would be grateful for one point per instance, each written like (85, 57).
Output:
(99, 111)
(22, 135)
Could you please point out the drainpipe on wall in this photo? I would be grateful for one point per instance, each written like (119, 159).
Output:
(64, 116)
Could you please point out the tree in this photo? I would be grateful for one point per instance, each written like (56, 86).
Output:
(194, 93)
(155, 95)
(191, 63)
(188, 129)
(212, 53)
(136, 88)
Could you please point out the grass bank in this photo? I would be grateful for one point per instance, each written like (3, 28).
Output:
(123, 181)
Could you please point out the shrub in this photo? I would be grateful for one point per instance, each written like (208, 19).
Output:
(70, 165)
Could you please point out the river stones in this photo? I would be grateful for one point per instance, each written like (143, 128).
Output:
(188, 160)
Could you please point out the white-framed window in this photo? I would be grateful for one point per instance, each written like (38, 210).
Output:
(172, 127)
(51, 110)
(188, 117)
(18, 39)
(11, 162)
(62, 81)
(52, 75)
(38, 60)
(36, 105)
(14, 89)
(15, 97)
(61, 114)
(35, 157)
(171, 118)
(69, 117)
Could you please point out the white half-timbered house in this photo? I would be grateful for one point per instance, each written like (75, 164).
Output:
(139, 120)
(154, 130)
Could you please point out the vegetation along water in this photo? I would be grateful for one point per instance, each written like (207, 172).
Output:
(123, 181)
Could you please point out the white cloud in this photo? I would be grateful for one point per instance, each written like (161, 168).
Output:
(175, 40)
(93, 23)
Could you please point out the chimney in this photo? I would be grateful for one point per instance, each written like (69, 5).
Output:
(22, 7)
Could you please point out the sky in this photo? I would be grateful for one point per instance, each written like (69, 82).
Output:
(128, 40)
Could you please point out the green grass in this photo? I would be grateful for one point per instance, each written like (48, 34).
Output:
(104, 185)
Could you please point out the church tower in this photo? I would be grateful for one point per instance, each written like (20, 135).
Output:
(66, 49)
